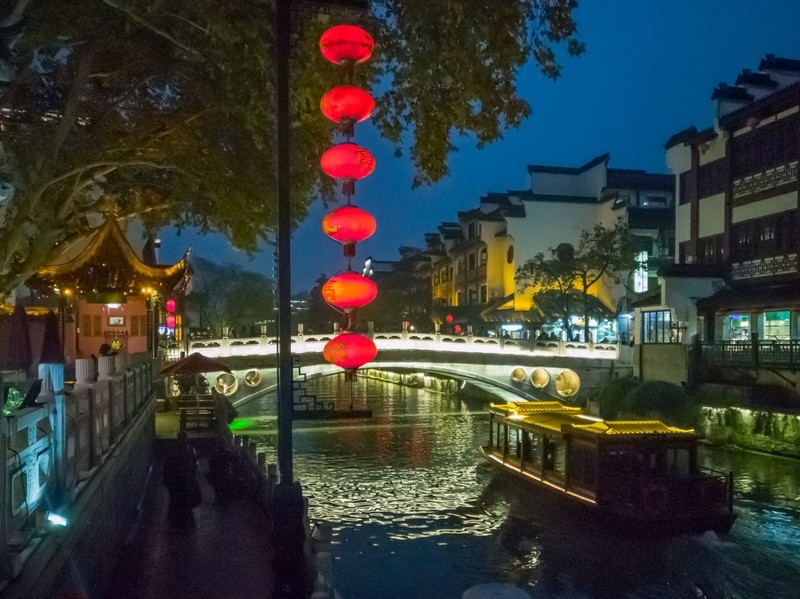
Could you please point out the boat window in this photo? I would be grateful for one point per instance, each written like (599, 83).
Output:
(678, 462)
(582, 466)
(515, 442)
(559, 458)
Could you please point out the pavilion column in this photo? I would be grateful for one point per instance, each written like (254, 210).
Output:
(152, 346)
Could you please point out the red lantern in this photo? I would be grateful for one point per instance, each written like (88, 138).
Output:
(349, 290)
(347, 104)
(348, 225)
(171, 304)
(350, 351)
(449, 318)
(347, 161)
(170, 322)
(346, 44)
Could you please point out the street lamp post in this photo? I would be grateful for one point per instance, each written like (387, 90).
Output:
(289, 532)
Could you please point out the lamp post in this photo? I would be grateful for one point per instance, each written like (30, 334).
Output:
(289, 532)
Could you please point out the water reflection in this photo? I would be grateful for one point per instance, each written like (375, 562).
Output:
(418, 514)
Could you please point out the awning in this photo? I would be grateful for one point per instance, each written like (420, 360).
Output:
(755, 298)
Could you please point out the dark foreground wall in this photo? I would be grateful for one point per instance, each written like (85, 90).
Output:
(81, 560)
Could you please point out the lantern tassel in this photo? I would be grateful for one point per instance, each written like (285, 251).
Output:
(349, 250)
(348, 188)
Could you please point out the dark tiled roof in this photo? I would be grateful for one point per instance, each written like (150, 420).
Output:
(681, 137)
(569, 170)
(731, 92)
(775, 63)
(779, 100)
(758, 297)
(690, 136)
(747, 77)
(691, 270)
(566, 199)
(618, 179)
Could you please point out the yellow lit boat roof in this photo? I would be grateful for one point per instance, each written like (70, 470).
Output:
(556, 416)
(633, 427)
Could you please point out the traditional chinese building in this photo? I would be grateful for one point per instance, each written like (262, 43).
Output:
(107, 294)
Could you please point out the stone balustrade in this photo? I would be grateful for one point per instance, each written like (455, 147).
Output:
(52, 450)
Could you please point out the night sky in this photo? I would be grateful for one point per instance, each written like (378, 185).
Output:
(648, 72)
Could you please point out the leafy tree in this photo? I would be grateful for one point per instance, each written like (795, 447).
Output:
(228, 295)
(166, 106)
(553, 277)
(662, 400)
(602, 252)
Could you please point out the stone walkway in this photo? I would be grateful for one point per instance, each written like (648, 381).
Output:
(227, 556)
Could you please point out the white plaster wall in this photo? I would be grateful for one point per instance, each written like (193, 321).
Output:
(683, 219)
(712, 215)
(548, 224)
(773, 205)
(681, 295)
(715, 151)
(587, 183)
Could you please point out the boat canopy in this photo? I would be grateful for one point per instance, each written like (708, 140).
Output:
(554, 416)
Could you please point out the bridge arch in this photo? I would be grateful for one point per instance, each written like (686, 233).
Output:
(507, 391)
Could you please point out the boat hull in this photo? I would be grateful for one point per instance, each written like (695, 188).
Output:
(636, 523)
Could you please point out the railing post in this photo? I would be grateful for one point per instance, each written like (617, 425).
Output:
(3, 490)
(52, 376)
(437, 333)
(754, 349)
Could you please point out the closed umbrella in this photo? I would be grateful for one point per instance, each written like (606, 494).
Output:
(52, 350)
(20, 356)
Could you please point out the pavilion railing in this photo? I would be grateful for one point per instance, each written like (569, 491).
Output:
(52, 449)
(751, 354)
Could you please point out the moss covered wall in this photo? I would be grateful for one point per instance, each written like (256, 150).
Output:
(768, 431)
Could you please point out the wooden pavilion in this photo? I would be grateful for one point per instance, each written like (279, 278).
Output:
(109, 295)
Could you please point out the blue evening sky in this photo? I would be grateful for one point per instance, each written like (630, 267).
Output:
(648, 72)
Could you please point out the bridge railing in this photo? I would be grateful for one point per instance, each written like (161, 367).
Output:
(53, 447)
(248, 346)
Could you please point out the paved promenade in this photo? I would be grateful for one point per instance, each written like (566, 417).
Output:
(228, 555)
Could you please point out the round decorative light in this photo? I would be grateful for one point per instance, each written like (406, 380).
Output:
(227, 384)
(349, 290)
(347, 104)
(252, 378)
(568, 383)
(448, 318)
(170, 322)
(350, 351)
(170, 305)
(344, 44)
(540, 377)
(518, 375)
(347, 161)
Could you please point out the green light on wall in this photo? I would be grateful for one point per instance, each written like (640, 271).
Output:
(240, 424)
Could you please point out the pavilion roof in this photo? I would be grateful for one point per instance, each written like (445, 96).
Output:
(104, 261)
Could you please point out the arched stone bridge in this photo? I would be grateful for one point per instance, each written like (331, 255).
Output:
(485, 362)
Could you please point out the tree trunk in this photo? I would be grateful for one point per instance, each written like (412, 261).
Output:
(586, 328)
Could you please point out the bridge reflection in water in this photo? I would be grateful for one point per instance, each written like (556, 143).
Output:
(418, 514)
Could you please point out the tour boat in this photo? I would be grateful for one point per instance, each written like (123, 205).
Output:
(641, 473)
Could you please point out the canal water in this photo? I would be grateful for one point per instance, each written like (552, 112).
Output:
(418, 514)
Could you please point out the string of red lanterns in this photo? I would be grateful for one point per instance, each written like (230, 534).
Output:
(345, 105)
